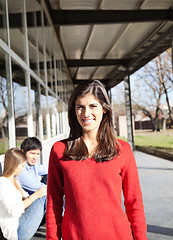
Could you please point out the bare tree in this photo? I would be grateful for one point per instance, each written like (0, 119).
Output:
(164, 68)
(156, 82)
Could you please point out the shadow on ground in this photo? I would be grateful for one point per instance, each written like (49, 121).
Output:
(160, 230)
(40, 234)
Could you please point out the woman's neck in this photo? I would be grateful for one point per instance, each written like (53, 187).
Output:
(90, 142)
(89, 139)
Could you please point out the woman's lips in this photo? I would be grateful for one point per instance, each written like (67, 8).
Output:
(88, 121)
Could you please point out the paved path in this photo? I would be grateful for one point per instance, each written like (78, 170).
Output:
(156, 177)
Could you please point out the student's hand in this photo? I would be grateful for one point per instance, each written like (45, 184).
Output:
(42, 191)
(38, 194)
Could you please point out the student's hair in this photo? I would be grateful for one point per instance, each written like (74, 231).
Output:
(30, 143)
(13, 157)
(108, 147)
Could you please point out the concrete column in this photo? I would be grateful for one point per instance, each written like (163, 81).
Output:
(27, 75)
(45, 76)
(112, 107)
(11, 117)
(129, 111)
(53, 120)
(38, 118)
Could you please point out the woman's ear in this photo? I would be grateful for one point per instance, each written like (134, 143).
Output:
(104, 110)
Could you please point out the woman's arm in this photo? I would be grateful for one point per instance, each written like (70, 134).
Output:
(55, 192)
(133, 200)
(38, 194)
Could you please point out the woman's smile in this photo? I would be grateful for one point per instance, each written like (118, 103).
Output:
(88, 121)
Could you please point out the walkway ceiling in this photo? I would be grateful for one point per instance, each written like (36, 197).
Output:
(107, 39)
(101, 39)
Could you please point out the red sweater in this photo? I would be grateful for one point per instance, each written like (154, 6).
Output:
(93, 207)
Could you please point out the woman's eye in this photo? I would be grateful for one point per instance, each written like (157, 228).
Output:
(93, 106)
(79, 107)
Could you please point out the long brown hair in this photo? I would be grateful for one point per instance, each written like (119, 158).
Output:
(108, 147)
(13, 157)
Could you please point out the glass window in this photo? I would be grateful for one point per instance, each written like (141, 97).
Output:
(16, 24)
(3, 25)
(34, 26)
(50, 52)
(36, 108)
(52, 101)
(60, 111)
(4, 138)
(44, 111)
(20, 95)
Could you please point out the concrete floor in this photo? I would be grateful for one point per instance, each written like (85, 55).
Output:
(156, 177)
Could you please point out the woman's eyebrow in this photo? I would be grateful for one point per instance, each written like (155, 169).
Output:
(79, 104)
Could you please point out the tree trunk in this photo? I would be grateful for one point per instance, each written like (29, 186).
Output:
(167, 101)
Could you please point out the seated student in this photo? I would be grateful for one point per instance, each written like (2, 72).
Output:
(30, 176)
(20, 213)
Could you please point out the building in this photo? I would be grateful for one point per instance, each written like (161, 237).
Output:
(34, 81)
(45, 50)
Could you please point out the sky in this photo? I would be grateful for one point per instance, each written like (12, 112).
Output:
(140, 92)
(118, 91)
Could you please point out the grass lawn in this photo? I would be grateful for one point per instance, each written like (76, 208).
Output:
(159, 140)
(4, 144)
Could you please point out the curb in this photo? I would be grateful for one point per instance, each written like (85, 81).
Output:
(155, 152)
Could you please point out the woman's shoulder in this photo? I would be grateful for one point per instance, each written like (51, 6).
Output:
(4, 183)
(59, 147)
(60, 144)
(4, 180)
(125, 149)
(123, 144)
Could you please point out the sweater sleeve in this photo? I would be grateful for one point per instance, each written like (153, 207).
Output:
(133, 196)
(55, 193)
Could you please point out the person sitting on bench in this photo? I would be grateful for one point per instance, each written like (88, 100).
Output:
(30, 177)
(20, 213)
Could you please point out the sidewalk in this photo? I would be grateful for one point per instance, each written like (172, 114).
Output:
(156, 177)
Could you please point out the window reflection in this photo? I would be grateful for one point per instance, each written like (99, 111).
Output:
(44, 111)
(4, 141)
(4, 138)
(20, 95)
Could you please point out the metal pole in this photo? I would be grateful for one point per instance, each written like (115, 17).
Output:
(129, 111)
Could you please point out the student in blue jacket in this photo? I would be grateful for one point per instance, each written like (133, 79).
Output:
(34, 175)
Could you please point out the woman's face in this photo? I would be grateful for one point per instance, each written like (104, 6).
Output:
(19, 168)
(89, 113)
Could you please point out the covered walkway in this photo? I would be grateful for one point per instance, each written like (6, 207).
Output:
(156, 176)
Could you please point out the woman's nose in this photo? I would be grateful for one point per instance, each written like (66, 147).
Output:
(87, 111)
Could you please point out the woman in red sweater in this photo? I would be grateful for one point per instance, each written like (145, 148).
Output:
(92, 169)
